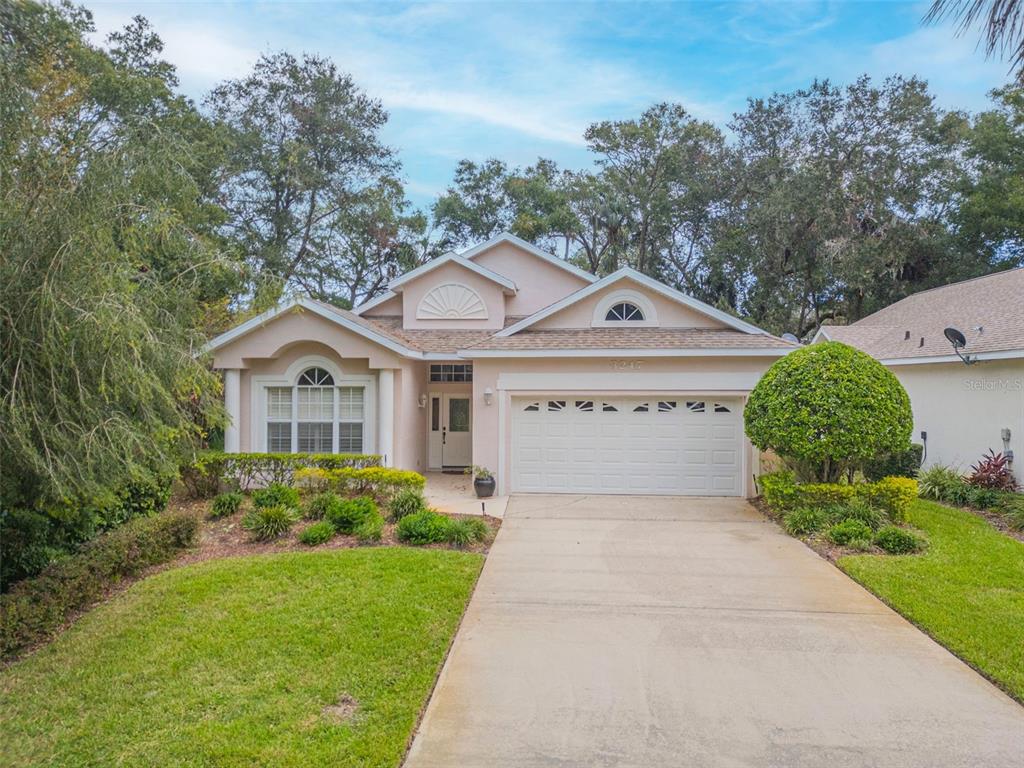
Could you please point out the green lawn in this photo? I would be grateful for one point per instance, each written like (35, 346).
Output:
(231, 663)
(966, 590)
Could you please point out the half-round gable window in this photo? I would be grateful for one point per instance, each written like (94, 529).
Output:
(624, 311)
(315, 377)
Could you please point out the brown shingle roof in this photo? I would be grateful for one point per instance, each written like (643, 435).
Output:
(995, 303)
(632, 338)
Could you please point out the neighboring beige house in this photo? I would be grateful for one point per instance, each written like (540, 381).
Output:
(965, 410)
(507, 357)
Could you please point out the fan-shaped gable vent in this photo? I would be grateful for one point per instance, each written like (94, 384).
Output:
(451, 302)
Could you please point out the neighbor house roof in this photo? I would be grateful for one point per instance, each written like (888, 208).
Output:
(640, 340)
(988, 310)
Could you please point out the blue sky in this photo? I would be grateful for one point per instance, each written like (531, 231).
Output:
(522, 80)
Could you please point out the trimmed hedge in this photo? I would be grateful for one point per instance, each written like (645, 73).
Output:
(382, 483)
(893, 495)
(37, 607)
(204, 476)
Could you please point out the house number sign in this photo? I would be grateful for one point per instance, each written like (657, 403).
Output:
(626, 365)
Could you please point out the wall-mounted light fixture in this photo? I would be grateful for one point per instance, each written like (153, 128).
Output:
(488, 396)
(423, 401)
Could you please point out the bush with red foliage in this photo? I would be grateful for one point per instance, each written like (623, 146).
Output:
(993, 471)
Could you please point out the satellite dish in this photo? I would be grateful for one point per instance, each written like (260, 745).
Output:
(790, 338)
(957, 339)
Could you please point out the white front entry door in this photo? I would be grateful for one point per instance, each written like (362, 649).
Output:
(667, 444)
(451, 436)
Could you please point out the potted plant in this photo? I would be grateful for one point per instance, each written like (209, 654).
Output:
(483, 481)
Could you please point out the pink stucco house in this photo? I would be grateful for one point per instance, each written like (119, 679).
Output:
(507, 357)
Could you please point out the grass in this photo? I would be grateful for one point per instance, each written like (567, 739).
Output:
(232, 663)
(966, 590)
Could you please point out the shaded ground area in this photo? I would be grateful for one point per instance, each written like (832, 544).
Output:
(665, 632)
(299, 659)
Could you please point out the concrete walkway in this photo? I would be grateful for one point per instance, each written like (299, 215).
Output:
(625, 631)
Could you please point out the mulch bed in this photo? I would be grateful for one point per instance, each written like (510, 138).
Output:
(225, 537)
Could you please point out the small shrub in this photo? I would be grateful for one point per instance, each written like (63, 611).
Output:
(893, 495)
(849, 530)
(370, 528)
(266, 523)
(993, 471)
(226, 504)
(1011, 506)
(940, 483)
(898, 541)
(861, 511)
(983, 498)
(466, 531)
(805, 521)
(317, 533)
(825, 494)
(37, 606)
(901, 464)
(426, 527)
(861, 545)
(406, 502)
(276, 495)
(319, 505)
(349, 513)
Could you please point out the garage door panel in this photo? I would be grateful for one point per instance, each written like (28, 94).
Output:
(589, 444)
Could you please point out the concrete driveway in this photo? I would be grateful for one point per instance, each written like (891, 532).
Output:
(640, 631)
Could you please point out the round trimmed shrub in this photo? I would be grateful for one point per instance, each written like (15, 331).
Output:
(898, 541)
(849, 530)
(828, 408)
(317, 533)
(347, 514)
(426, 527)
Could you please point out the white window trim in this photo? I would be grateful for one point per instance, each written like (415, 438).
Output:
(258, 397)
(617, 297)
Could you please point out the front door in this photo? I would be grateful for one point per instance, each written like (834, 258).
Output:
(451, 442)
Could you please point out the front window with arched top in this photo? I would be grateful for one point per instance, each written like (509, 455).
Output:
(315, 415)
(624, 311)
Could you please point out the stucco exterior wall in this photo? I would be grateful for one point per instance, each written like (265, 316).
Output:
(390, 308)
(509, 377)
(670, 314)
(963, 408)
(540, 284)
(490, 293)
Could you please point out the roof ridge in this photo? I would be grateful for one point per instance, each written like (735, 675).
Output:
(940, 288)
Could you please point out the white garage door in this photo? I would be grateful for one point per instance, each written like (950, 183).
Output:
(684, 445)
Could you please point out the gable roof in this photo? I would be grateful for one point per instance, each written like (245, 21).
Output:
(508, 237)
(465, 259)
(342, 317)
(988, 310)
(628, 273)
(449, 258)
